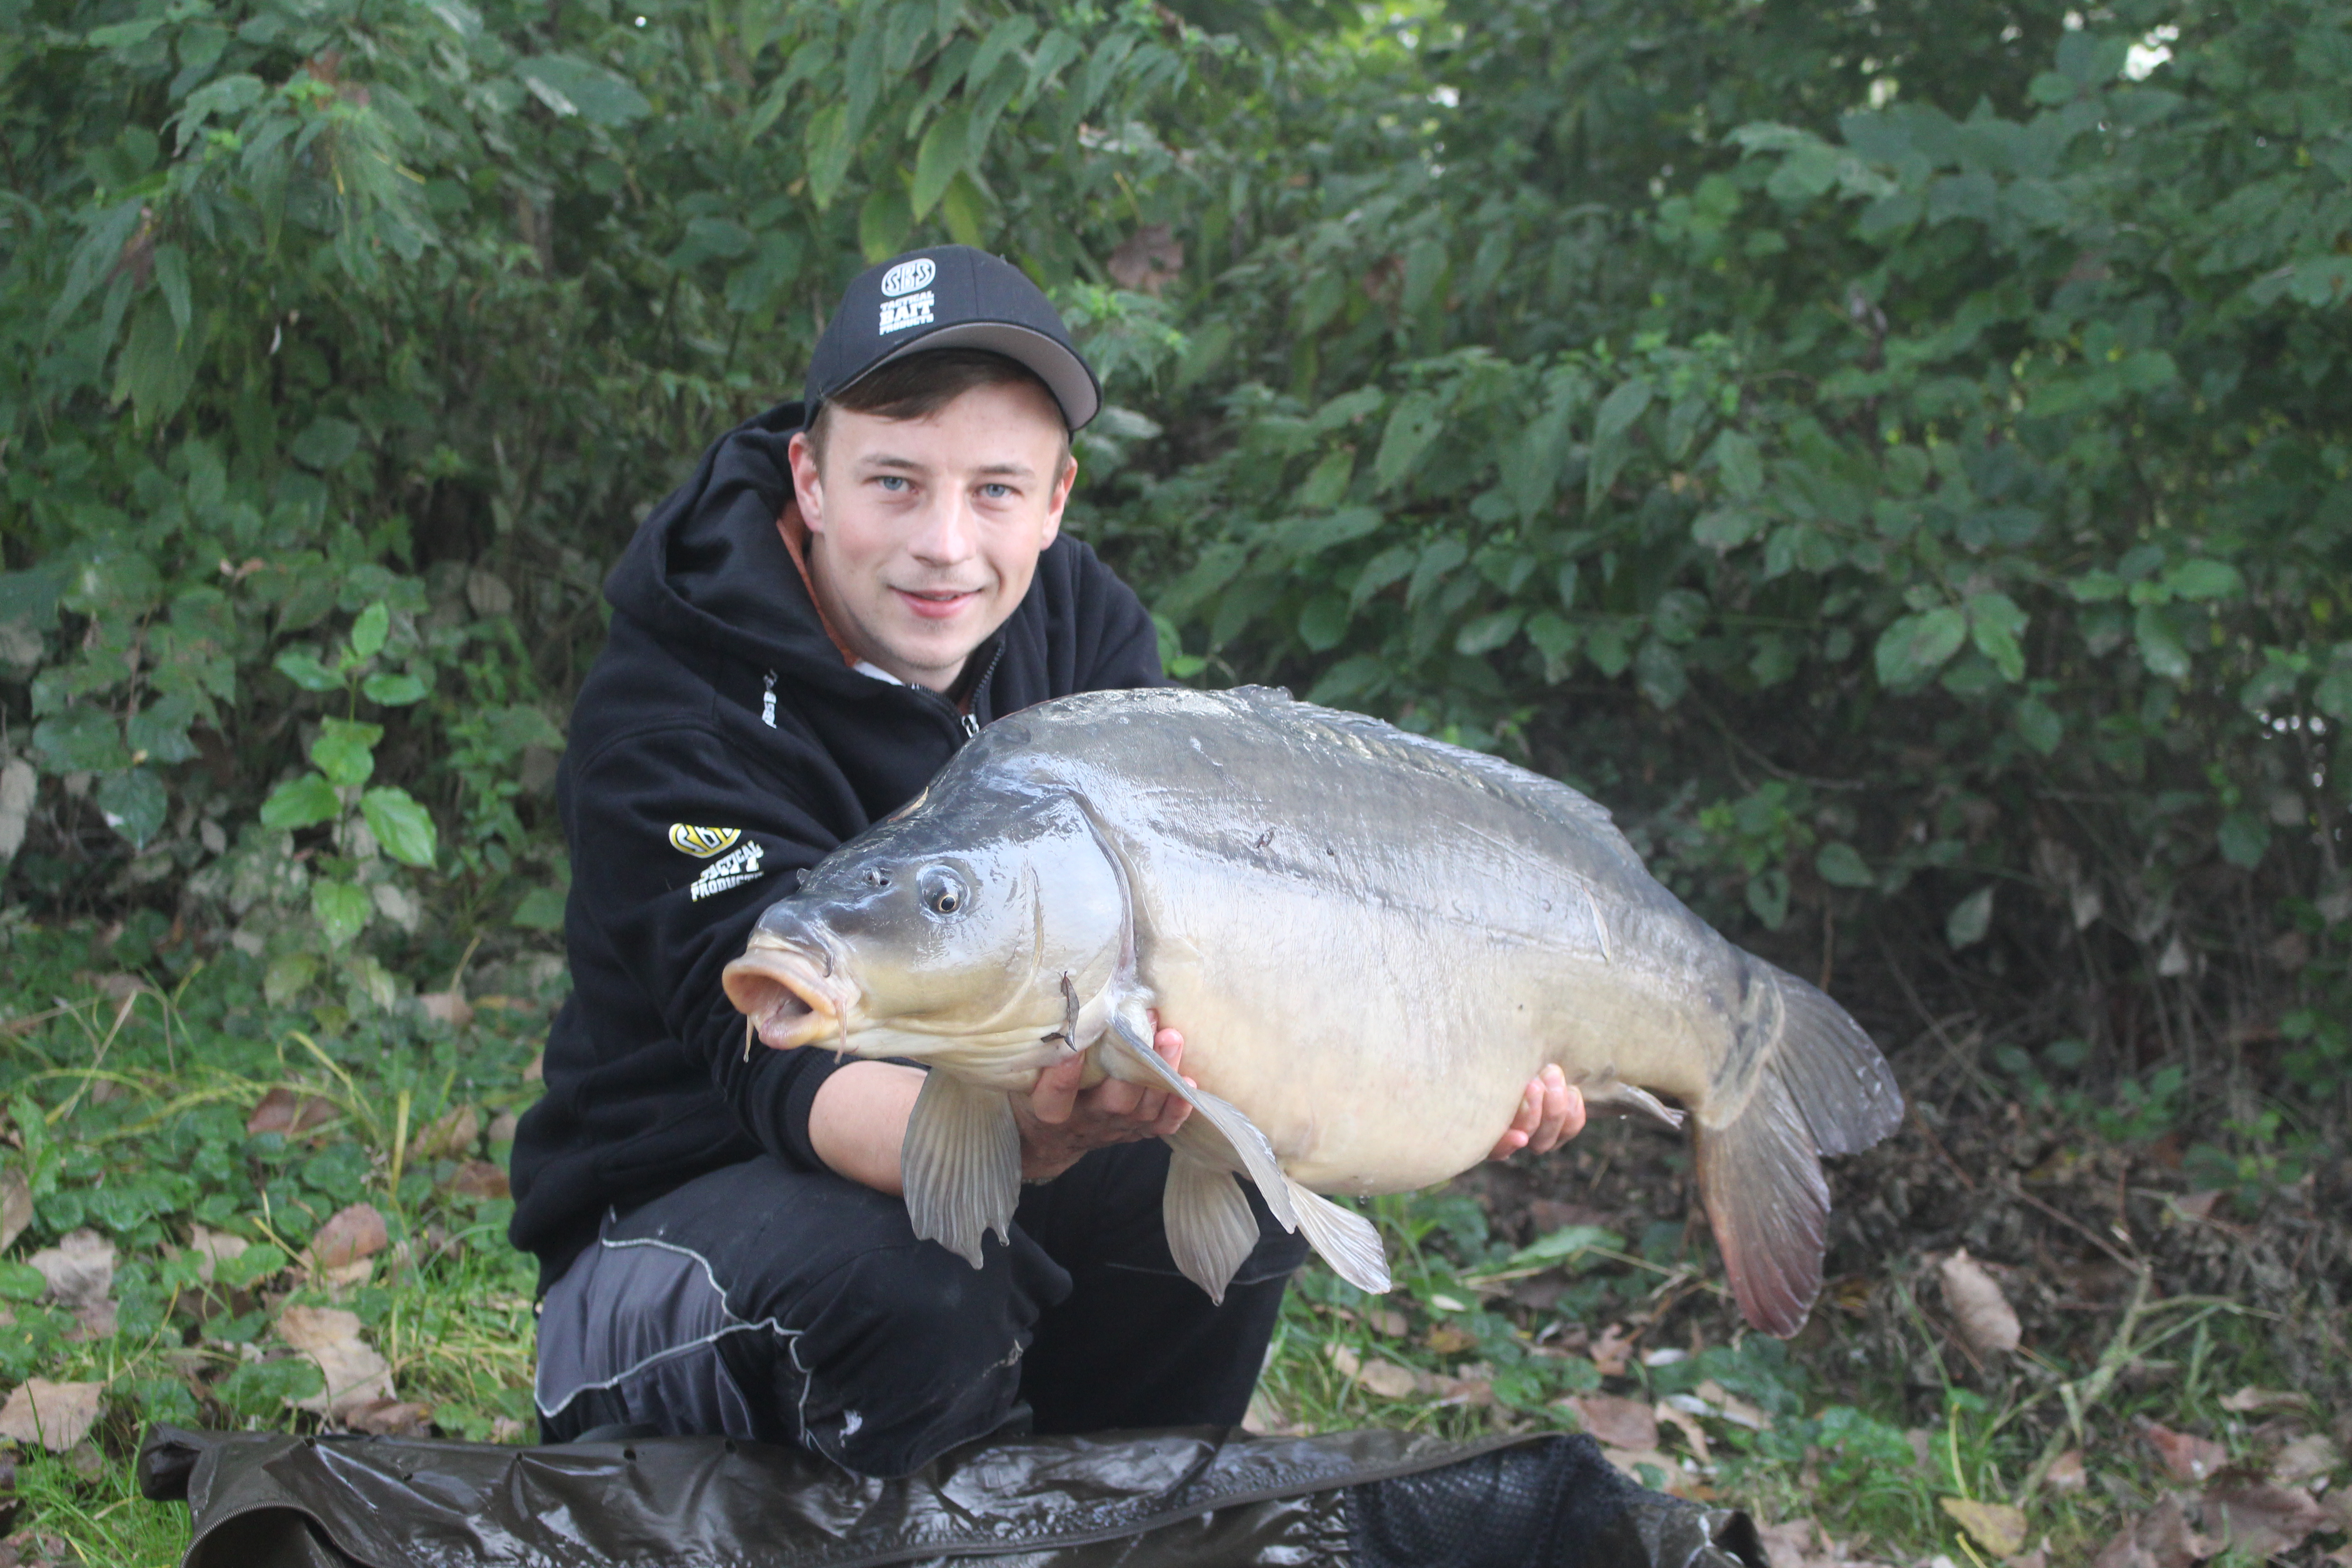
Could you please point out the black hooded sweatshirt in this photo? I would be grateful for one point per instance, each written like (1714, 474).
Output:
(720, 744)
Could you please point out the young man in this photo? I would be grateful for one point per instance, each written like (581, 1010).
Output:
(846, 590)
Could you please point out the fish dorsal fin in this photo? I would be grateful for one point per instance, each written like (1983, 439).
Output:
(960, 1164)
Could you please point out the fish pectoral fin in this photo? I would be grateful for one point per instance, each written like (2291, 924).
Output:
(1347, 1240)
(1618, 1097)
(1211, 1230)
(1229, 1136)
(961, 1164)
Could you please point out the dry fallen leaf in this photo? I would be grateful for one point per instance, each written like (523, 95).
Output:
(1975, 1301)
(2067, 1473)
(390, 1419)
(448, 1008)
(1615, 1423)
(2307, 1458)
(2160, 1537)
(79, 1269)
(2037, 1558)
(1995, 1526)
(57, 1416)
(479, 1178)
(1671, 1477)
(1687, 1424)
(1445, 1339)
(2259, 1520)
(1736, 1410)
(1385, 1378)
(449, 1136)
(502, 1127)
(1609, 1351)
(1147, 260)
(356, 1375)
(2186, 1458)
(535, 1071)
(349, 1235)
(213, 1248)
(281, 1112)
(16, 1208)
(2249, 1399)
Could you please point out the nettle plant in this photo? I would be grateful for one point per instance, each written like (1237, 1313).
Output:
(349, 876)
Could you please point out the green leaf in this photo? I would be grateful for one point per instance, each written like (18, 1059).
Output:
(827, 146)
(325, 443)
(393, 690)
(1658, 673)
(541, 909)
(1412, 423)
(1997, 624)
(940, 157)
(401, 826)
(346, 751)
(133, 804)
(1324, 622)
(2204, 579)
(289, 976)
(1740, 464)
(342, 910)
(1725, 527)
(160, 730)
(1488, 632)
(369, 631)
(2334, 695)
(301, 666)
(1563, 1245)
(1768, 896)
(2040, 725)
(1971, 919)
(1915, 646)
(1841, 866)
(965, 210)
(2159, 645)
(884, 222)
(571, 86)
(80, 739)
(22, 1282)
(2244, 837)
(302, 803)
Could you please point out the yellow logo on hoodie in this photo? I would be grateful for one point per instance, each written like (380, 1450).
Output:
(701, 843)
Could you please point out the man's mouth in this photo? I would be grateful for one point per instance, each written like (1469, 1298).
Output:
(937, 603)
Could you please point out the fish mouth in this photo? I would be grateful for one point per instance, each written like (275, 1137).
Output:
(787, 994)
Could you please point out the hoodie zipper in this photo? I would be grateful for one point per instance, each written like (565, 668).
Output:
(967, 724)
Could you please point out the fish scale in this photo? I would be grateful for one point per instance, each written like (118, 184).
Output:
(1370, 941)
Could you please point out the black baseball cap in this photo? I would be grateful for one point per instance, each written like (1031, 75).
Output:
(950, 296)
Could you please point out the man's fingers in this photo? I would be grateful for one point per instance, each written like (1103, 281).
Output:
(1056, 1092)
(1168, 1044)
(1563, 1112)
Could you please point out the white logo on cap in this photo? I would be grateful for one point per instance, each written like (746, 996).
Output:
(908, 277)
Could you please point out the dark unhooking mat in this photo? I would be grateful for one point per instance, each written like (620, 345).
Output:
(1195, 1498)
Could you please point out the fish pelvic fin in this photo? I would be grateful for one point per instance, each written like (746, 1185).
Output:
(1818, 1087)
(1226, 1136)
(1211, 1230)
(960, 1164)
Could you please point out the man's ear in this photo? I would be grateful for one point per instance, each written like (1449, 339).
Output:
(808, 489)
(1059, 498)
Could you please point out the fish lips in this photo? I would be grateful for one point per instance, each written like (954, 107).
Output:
(793, 996)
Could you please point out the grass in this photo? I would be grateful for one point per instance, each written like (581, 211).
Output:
(127, 1106)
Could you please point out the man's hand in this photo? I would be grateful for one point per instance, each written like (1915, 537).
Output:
(1060, 1122)
(1550, 1113)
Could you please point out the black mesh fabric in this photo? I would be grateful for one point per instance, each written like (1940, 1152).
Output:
(1556, 1503)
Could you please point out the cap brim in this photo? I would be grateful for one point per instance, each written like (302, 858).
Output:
(1066, 376)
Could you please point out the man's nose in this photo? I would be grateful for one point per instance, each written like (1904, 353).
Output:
(949, 534)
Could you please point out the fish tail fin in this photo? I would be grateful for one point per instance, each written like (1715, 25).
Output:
(1347, 1239)
(1817, 1086)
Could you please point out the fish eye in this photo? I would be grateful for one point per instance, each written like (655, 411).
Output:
(941, 891)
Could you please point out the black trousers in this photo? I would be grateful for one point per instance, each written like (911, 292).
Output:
(777, 1305)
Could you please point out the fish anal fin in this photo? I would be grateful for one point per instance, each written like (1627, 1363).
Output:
(1615, 1096)
(1211, 1230)
(1346, 1239)
(960, 1164)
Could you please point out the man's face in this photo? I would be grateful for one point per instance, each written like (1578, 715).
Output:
(924, 533)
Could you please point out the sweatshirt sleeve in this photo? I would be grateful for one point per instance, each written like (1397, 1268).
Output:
(679, 846)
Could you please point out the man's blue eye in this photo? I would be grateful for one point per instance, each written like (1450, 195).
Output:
(893, 483)
(996, 492)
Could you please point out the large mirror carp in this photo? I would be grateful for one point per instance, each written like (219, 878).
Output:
(1370, 941)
